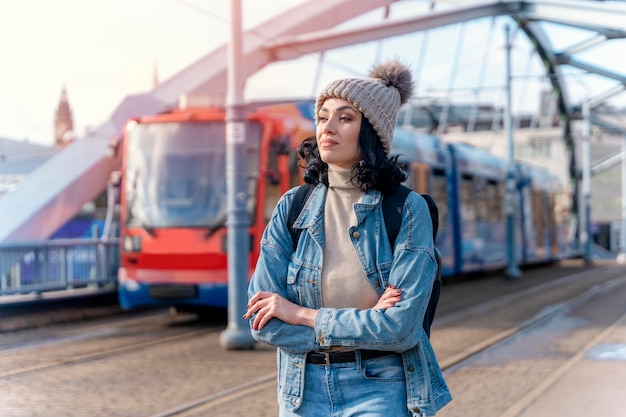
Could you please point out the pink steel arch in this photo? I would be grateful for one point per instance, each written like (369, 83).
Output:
(208, 74)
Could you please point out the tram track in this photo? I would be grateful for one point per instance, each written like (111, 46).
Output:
(103, 331)
(232, 395)
(450, 362)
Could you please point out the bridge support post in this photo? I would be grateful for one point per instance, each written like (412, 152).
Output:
(237, 334)
(585, 233)
(512, 270)
(621, 257)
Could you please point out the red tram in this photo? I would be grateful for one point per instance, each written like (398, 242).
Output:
(173, 205)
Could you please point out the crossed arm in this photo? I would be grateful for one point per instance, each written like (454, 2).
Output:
(267, 305)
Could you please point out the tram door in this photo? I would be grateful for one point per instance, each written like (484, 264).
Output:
(425, 179)
(419, 174)
(545, 223)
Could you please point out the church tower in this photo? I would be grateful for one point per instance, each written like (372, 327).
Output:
(63, 121)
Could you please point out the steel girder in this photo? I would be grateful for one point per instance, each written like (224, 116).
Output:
(308, 28)
(606, 20)
(208, 74)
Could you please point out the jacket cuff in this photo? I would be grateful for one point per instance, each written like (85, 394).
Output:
(322, 324)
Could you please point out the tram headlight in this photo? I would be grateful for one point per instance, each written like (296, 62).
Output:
(131, 285)
(132, 243)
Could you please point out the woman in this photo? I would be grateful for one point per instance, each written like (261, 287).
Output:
(343, 309)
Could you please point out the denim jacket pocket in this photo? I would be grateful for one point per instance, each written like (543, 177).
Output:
(301, 284)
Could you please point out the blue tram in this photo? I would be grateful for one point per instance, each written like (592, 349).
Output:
(468, 185)
(542, 207)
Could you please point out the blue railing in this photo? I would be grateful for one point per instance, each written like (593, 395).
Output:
(60, 264)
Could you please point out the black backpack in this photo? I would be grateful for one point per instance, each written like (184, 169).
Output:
(392, 210)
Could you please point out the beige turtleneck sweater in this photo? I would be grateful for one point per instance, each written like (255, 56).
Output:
(344, 283)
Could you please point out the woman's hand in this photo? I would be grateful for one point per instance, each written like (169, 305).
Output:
(267, 305)
(389, 298)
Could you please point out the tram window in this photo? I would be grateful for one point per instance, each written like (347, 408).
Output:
(439, 192)
(296, 168)
(538, 209)
(417, 174)
(480, 197)
(552, 221)
(272, 182)
(410, 180)
(468, 211)
(253, 140)
(421, 172)
(494, 200)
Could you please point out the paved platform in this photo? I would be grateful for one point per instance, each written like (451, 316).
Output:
(571, 365)
(591, 383)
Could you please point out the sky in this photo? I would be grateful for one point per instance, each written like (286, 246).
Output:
(101, 51)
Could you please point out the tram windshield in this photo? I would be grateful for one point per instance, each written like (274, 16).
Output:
(176, 174)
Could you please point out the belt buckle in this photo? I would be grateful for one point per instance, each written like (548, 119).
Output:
(326, 358)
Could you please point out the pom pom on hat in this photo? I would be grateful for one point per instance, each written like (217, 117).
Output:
(379, 97)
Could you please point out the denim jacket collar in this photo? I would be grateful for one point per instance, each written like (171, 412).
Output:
(313, 211)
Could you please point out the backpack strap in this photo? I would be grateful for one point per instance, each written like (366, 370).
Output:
(297, 204)
(434, 213)
(392, 212)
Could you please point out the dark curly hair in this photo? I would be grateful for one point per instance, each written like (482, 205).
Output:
(375, 170)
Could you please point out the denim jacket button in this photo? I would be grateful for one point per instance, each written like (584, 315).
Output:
(356, 235)
(410, 369)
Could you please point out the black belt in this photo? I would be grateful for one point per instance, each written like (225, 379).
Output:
(317, 358)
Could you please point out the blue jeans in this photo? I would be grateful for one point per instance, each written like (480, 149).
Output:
(370, 388)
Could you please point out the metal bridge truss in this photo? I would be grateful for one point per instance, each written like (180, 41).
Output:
(311, 28)
(605, 20)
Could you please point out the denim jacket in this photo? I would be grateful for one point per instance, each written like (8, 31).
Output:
(297, 277)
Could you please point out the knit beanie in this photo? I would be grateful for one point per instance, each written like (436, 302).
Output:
(379, 97)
